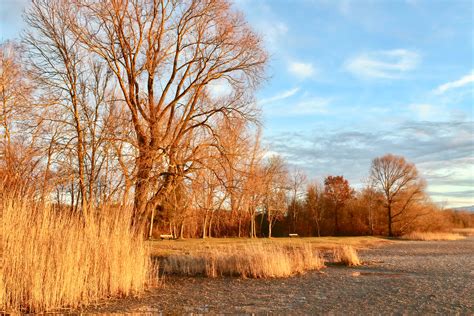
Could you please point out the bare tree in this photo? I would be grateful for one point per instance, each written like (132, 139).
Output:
(164, 56)
(15, 89)
(314, 204)
(276, 190)
(337, 190)
(20, 157)
(253, 186)
(400, 183)
(296, 182)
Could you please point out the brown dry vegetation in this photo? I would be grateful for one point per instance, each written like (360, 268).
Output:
(262, 258)
(346, 255)
(249, 261)
(53, 259)
(427, 236)
(464, 231)
(172, 247)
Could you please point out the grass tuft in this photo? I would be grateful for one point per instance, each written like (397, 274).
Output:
(346, 255)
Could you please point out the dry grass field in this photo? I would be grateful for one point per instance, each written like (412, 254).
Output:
(431, 236)
(404, 277)
(257, 258)
(464, 231)
(254, 260)
(161, 248)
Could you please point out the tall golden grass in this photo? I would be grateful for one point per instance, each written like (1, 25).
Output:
(464, 231)
(346, 255)
(427, 236)
(54, 259)
(246, 261)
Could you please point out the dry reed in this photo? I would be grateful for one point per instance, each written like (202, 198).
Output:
(54, 259)
(346, 255)
(427, 236)
(246, 261)
(464, 231)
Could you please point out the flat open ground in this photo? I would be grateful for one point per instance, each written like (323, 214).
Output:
(430, 277)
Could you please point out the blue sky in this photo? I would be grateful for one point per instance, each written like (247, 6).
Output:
(352, 80)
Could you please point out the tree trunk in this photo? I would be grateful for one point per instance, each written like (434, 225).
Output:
(318, 228)
(252, 226)
(389, 213)
(142, 190)
(210, 224)
(150, 233)
(204, 227)
(181, 230)
(240, 224)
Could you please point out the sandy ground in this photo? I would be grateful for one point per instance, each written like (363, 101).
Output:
(406, 277)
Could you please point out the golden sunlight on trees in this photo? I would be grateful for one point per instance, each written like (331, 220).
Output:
(15, 89)
(337, 191)
(156, 112)
(402, 188)
(162, 66)
(276, 191)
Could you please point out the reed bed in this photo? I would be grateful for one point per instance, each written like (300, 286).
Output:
(427, 236)
(247, 261)
(464, 231)
(56, 259)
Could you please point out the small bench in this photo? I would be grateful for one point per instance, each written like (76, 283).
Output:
(293, 235)
(168, 237)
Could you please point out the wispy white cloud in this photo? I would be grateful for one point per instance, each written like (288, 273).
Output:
(280, 96)
(301, 70)
(467, 79)
(387, 64)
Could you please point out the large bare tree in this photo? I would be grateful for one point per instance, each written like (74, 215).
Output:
(165, 55)
(400, 183)
(164, 60)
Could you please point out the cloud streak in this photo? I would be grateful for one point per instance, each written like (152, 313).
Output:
(442, 152)
(280, 96)
(386, 64)
(466, 80)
